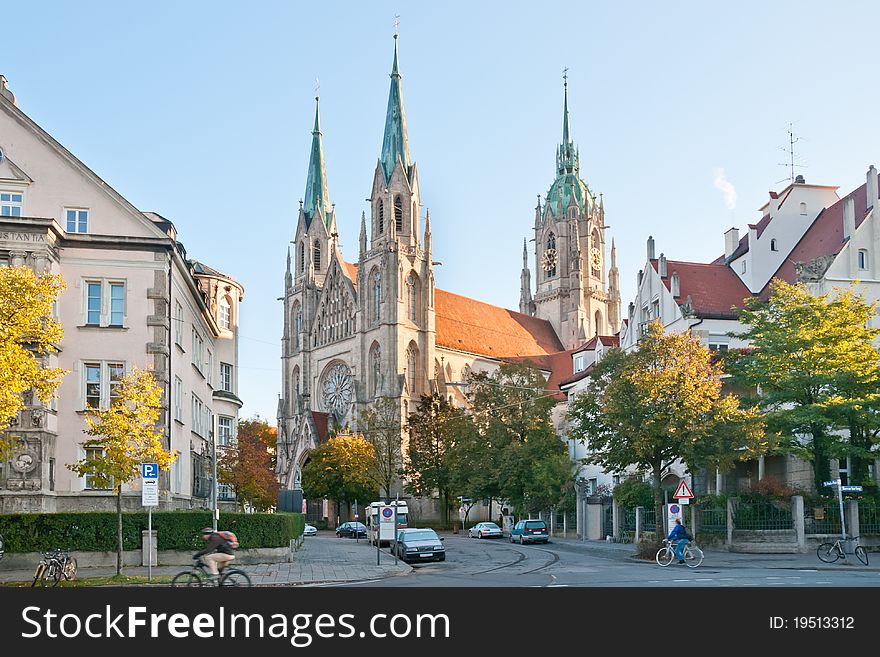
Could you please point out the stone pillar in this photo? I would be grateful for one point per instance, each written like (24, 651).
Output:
(145, 548)
(760, 468)
(797, 517)
(719, 481)
(851, 515)
(594, 520)
(730, 505)
(580, 516)
(616, 518)
(695, 517)
(640, 518)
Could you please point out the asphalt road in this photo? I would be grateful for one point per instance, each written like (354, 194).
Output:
(498, 563)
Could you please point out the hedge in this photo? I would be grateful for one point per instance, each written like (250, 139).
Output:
(177, 530)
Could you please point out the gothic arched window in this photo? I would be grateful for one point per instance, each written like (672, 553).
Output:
(297, 324)
(295, 381)
(381, 212)
(376, 296)
(317, 256)
(398, 213)
(411, 364)
(551, 257)
(302, 257)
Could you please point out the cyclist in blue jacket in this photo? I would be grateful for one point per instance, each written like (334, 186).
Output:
(679, 534)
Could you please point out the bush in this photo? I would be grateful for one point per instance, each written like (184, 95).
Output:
(632, 493)
(771, 488)
(648, 546)
(177, 530)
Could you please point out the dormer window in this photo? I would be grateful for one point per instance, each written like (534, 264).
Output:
(773, 246)
(863, 259)
(579, 364)
(803, 208)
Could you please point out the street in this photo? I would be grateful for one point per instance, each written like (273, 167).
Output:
(568, 562)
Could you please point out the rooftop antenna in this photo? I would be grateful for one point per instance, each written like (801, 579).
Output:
(792, 140)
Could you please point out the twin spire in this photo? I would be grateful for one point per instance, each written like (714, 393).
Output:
(395, 147)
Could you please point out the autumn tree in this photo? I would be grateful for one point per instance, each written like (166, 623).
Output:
(124, 436)
(432, 429)
(814, 362)
(341, 470)
(29, 333)
(660, 403)
(248, 465)
(380, 425)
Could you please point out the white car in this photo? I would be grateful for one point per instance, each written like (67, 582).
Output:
(310, 530)
(485, 530)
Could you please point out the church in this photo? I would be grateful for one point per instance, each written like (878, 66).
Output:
(354, 332)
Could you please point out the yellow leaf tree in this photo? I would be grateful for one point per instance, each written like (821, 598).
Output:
(124, 436)
(28, 334)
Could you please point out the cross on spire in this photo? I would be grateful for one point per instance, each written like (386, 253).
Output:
(396, 22)
(317, 87)
(565, 75)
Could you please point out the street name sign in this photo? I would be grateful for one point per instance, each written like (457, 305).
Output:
(851, 489)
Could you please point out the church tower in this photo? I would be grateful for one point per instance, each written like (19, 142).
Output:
(574, 288)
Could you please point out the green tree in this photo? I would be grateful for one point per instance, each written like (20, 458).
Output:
(380, 425)
(248, 465)
(814, 361)
(660, 403)
(28, 334)
(341, 470)
(432, 429)
(124, 436)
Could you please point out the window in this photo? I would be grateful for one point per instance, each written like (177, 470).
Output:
(803, 208)
(863, 258)
(297, 324)
(198, 416)
(197, 349)
(92, 482)
(398, 214)
(225, 313)
(579, 364)
(226, 377)
(93, 304)
(11, 204)
(381, 213)
(592, 486)
(843, 471)
(178, 323)
(210, 372)
(411, 361)
(412, 294)
(317, 256)
(178, 399)
(117, 304)
(224, 492)
(77, 220)
(302, 257)
(102, 381)
(743, 267)
(655, 309)
(225, 430)
(773, 246)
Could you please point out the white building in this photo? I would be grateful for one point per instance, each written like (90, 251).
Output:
(133, 299)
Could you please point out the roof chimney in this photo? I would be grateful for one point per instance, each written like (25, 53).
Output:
(5, 92)
(799, 179)
(650, 247)
(661, 266)
(849, 217)
(675, 284)
(731, 241)
(872, 187)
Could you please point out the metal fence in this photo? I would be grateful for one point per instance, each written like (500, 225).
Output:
(628, 524)
(822, 518)
(650, 520)
(756, 516)
(869, 519)
(608, 521)
(712, 519)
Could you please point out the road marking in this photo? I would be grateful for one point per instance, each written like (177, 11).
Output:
(704, 579)
(823, 582)
(681, 580)
(804, 570)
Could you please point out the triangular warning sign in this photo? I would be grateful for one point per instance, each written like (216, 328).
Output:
(683, 491)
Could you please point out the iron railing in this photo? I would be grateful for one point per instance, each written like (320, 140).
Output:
(712, 519)
(608, 521)
(869, 519)
(758, 516)
(822, 519)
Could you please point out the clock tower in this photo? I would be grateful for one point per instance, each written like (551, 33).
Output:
(576, 290)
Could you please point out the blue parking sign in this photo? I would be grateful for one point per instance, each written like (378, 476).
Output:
(149, 470)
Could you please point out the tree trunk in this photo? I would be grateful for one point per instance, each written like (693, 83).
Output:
(658, 502)
(119, 529)
(821, 465)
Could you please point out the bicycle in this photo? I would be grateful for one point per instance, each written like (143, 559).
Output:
(199, 575)
(831, 552)
(2, 547)
(53, 566)
(692, 555)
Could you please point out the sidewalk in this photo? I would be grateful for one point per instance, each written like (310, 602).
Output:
(725, 559)
(322, 559)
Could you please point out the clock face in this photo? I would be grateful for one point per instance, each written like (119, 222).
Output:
(549, 259)
(595, 258)
(336, 390)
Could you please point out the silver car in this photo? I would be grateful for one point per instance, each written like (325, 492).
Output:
(310, 530)
(418, 545)
(485, 530)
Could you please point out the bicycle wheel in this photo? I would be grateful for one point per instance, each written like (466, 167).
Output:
(828, 552)
(53, 574)
(187, 578)
(664, 557)
(1, 548)
(38, 574)
(693, 556)
(862, 555)
(69, 570)
(235, 578)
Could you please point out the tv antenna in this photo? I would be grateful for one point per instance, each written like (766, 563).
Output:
(792, 140)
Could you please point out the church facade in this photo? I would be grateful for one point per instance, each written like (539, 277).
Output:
(354, 332)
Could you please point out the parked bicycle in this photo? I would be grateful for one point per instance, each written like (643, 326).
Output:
(53, 567)
(2, 547)
(693, 555)
(831, 552)
(198, 575)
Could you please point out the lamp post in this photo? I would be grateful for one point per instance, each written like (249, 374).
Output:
(215, 511)
(581, 485)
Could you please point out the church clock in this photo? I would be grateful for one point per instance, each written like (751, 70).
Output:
(596, 258)
(548, 260)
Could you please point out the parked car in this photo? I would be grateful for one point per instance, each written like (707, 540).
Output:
(352, 529)
(310, 530)
(418, 545)
(530, 531)
(485, 530)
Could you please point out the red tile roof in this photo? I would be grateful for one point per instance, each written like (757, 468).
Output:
(713, 288)
(480, 328)
(558, 364)
(322, 422)
(350, 270)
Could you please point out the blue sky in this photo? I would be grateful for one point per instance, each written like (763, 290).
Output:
(202, 111)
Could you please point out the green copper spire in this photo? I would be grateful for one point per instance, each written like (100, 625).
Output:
(568, 187)
(316, 183)
(566, 155)
(394, 143)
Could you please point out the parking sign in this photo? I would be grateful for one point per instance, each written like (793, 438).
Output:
(149, 484)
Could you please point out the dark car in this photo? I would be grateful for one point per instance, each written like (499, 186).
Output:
(418, 545)
(530, 531)
(352, 529)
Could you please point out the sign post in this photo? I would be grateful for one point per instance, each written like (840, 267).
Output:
(673, 512)
(149, 499)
